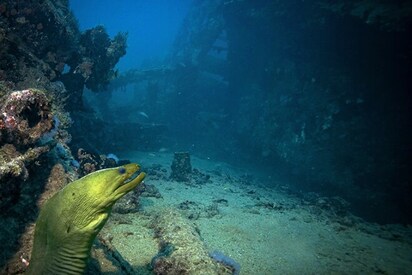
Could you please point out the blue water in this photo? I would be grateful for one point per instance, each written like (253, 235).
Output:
(151, 25)
(321, 102)
(315, 97)
(275, 133)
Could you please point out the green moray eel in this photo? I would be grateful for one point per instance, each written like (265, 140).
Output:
(70, 220)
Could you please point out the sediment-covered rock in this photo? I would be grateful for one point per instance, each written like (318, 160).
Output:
(181, 248)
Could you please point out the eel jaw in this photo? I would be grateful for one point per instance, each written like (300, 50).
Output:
(129, 185)
(128, 181)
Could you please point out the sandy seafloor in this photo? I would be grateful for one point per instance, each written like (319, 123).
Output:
(267, 230)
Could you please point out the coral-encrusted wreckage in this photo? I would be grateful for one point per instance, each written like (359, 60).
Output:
(45, 63)
(316, 91)
(25, 117)
(279, 79)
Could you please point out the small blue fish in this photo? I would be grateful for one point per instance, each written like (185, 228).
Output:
(143, 114)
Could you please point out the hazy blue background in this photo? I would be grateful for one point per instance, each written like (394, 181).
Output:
(151, 24)
(314, 98)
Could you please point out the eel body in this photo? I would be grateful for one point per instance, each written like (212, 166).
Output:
(70, 220)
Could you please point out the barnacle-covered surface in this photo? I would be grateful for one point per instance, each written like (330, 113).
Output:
(30, 128)
(30, 125)
(90, 162)
(100, 56)
(25, 116)
(13, 161)
(37, 39)
(92, 65)
(41, 38)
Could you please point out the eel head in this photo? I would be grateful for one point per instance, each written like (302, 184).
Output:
(70, 220)
(89, 200)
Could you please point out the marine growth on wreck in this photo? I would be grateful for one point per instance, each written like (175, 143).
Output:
(275, 136)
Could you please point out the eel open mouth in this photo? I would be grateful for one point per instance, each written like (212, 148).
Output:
(133, 178)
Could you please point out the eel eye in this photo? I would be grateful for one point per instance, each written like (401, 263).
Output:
(122, 170)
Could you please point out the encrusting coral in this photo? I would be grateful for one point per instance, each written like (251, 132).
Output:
(13, 163)
(25, 116)
(45, 62)
(29, 130)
